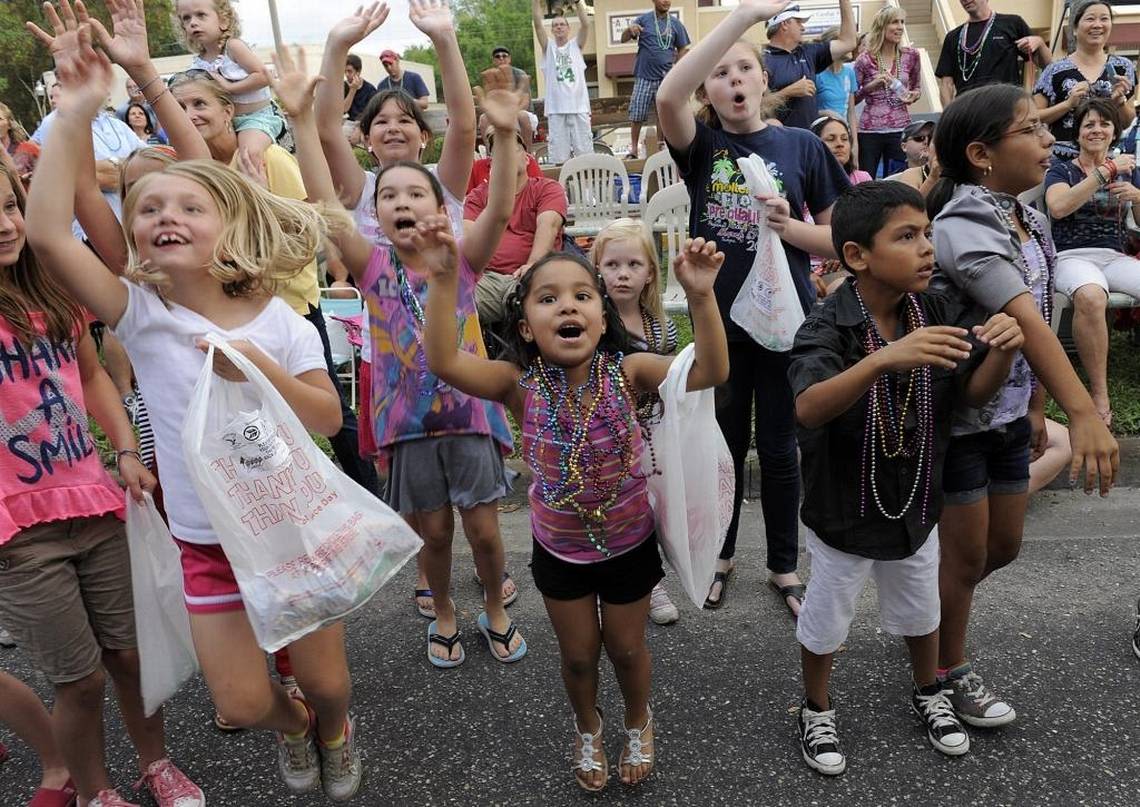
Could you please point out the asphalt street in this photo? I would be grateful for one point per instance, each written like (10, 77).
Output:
(1051, 633)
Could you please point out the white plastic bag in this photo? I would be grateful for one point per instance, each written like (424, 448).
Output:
(166, 651)
(767, 306)
(306, 543)
(691, 493)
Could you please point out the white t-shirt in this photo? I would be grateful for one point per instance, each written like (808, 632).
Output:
(364, 217)
(159, 339)
(565, 73)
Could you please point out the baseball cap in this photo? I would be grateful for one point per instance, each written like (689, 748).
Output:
(389, 56)
(789, 13)
(501, 49)
(915, 128)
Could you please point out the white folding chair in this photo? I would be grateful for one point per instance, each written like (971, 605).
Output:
(667, 222)
(344, 353)
(591, 181)
(659, 173)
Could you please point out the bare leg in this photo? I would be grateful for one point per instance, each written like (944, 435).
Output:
(23, 712)
(481, 526)
(1090, 331)
(1058, 453)
(623, 631)
(146, 733)
(635, 138)
(924, 658)
(817, 677)
(575, 625)
(437, 528)
(234, 668)
(962, 532)
(321, 668)
(77, 723)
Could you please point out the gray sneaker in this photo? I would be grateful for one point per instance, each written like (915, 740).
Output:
(6, 639)
(299, 762)
(341, 770)
(974, 703)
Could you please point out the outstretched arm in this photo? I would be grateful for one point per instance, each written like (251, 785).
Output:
(539, 24)
(128, 47)
(583, 23)
(434, 18)
(673, 115)
(85, 80)
(481, 237)
(347, 175)
(483, 378)
(295, 90)
(844, 43)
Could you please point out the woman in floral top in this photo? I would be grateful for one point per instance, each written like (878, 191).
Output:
(889, 79)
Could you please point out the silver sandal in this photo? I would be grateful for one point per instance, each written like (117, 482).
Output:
(636, 749)
(586, 761)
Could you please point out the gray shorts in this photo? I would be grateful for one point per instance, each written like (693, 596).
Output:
(431, 473)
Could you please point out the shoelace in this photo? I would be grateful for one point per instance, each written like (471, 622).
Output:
(937, 711)
(339, 762)
(587, 762)
(109, 798)
(819, 729)
(976, 690)
(166, 782)
(298, 753)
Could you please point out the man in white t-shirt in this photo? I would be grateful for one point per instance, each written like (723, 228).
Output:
(567, 100)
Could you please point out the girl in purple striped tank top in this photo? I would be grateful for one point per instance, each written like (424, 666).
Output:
(572, 387)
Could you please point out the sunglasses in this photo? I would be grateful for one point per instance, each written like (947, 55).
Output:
(193, 74)
(921, 138)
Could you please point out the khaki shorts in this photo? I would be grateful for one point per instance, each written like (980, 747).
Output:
(65, 594)
(492, 293)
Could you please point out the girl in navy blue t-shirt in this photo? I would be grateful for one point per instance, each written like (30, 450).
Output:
(727, 74)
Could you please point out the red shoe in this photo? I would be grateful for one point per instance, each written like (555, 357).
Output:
(170, 786)
(64, 797)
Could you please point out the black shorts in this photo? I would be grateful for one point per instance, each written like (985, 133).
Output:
(989, 463)
(617, 581)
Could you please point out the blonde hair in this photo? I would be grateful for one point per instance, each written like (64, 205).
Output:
(265, 239)
(164, 155)
(25, 288)
(631, 230)
(770, 104)
(16, 132)
(878, 30)
(227, 16)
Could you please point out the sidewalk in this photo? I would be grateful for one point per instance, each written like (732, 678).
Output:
(1051, 634)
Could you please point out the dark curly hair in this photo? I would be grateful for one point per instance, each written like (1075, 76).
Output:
(520, 352)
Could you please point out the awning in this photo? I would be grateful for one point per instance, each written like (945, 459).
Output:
(619, 65)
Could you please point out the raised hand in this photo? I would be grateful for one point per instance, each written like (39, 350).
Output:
(433, 17)
(938, 345)
(764, 9)
(63, 42)
(502, 110)
(696, 266)
(127, 43)
(84, 76)
(436, 245)
(1000, 332)
(357, 26)
(293, 86)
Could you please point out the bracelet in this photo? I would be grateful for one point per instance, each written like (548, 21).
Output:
(153, 101)
(1100, 180)
(142, 89)
(130, 452)
(1113, 172)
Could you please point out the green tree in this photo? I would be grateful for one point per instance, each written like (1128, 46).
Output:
(482, 25)
(24, 60)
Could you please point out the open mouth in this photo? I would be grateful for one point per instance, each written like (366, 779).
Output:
(570, 331)
(404, 224)
(738, 98)
(168, 239)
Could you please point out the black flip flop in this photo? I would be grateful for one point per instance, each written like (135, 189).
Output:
(795, 591)
(722, 578)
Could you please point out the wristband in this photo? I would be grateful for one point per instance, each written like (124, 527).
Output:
(130, 452)
(142, 89)
(1112, 170)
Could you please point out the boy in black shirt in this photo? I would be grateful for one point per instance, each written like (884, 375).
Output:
(874, 423)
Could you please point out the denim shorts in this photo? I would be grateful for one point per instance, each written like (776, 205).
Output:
(264, 120)
(989, 463)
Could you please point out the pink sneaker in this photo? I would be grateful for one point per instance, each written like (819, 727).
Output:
(45, 797)
(110, 798)
(170, 786)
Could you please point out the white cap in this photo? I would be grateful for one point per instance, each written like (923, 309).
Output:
(789, 13)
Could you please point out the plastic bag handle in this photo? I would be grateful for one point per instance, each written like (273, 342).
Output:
(673, 390)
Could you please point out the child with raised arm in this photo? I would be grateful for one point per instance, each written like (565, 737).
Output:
(445, 447)
(572, 388)
(727, 73)
(206, 248)
(210, 30)
(876, 371)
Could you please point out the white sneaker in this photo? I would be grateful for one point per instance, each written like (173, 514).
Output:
(6, 639)
(299, 762)
(661, 609)
(341, 770)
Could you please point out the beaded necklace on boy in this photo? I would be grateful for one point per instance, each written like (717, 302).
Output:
(412, 306)
(581, 461)
(885, 425)
(970, 56)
